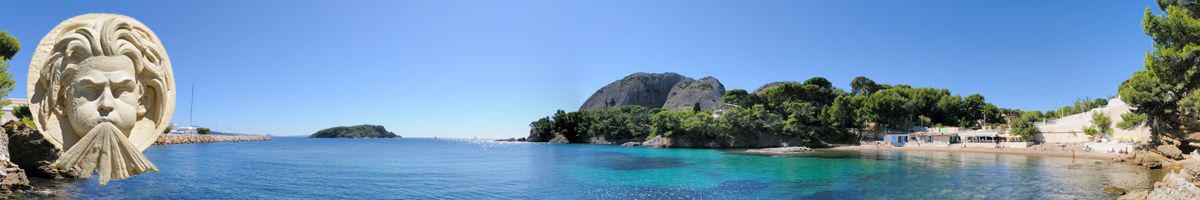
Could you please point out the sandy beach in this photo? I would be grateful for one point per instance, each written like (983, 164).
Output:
(1031, 151)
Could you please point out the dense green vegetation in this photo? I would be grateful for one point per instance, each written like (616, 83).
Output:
(1080, 106)
(203, 131)
(810, 112)
(1167, 91)
(23, 114)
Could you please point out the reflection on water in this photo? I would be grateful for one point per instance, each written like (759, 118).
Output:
(630, 162)
(302, 168)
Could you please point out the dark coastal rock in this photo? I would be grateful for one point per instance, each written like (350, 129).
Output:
(33, 153)
(1170, 151)
(1145, 158)
(644, 89)
(598, 140)
(13, 178)
(359, 131)
(536, 136)
(687, 93)
(520, 139)
(559, 139)
(657, 142)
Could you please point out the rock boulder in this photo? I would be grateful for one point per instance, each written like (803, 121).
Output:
(644, 89)
(559, 139)
(1170, 151)
(658, 142)
(687, 93)
(32, 152)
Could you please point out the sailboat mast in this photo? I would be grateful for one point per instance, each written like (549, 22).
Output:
(192, 105)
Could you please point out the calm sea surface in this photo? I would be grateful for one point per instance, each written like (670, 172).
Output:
(303, 168)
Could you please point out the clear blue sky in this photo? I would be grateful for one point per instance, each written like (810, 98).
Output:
(488, 68)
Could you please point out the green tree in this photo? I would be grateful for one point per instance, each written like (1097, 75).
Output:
(973, 110)
(666, 123)
(842, 114)
(567, 124)
(801, 117)
(888, 108)
(949, 110)
(1024, 125)
(9, 46)
(203, 131)
(739, 97)
(1101, 126)
(753, 120)
(1165, 90)
(704, 126)
(541, 130)
(22, 112)
(1131, 120)
(863, 86)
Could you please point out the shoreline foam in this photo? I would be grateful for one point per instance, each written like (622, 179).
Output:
(1027, 152)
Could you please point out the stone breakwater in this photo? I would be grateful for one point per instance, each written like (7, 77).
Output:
(167, 139)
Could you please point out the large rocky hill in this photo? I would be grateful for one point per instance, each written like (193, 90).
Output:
(661, 90)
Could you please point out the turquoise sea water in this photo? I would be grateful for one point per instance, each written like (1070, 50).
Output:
(303, 168)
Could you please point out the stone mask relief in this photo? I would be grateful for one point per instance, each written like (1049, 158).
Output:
(101, 90)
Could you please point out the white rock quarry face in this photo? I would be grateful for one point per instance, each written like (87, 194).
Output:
(101, 90)
(1074, 124)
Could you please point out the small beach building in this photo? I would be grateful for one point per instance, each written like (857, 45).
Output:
(897, 139)
(183, 129)
(937, 136)
(992, 139)
(717, 113)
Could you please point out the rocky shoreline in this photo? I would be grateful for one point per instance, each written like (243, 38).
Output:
(168, 139)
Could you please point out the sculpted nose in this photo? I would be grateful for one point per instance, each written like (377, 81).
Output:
(106, 102)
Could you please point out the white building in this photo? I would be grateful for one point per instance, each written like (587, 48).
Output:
(175, 129)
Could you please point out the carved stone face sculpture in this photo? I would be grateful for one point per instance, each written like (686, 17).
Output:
(101, 90)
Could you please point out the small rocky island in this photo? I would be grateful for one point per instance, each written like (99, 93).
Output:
(359, 131)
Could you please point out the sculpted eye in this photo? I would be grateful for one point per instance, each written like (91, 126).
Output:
(87, 89)
(123, 87)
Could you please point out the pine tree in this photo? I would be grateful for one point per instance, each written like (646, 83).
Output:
(1167, 91)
